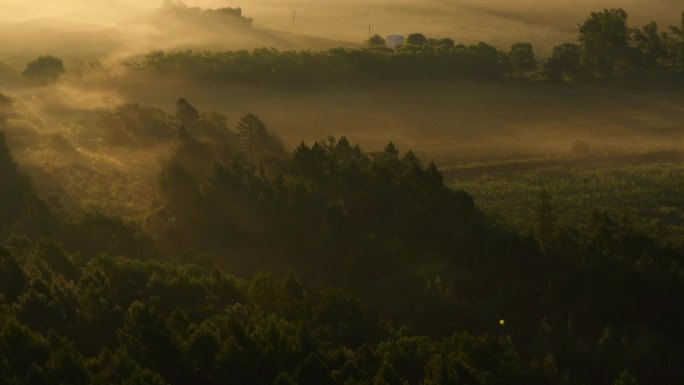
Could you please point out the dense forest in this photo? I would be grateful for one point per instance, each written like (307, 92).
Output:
(248, 261)
(365, 268)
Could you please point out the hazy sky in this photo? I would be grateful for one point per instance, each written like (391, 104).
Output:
(108, 10)
(87, 10)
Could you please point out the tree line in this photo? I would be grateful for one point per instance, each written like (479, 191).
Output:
(607, 45)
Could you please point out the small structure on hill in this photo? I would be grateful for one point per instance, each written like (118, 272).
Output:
(394, 41)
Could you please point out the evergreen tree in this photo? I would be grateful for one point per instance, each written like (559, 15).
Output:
(186, 113)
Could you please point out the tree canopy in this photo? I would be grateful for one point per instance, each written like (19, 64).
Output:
(376, 41)
(522, 58)
(605, 39)
(45, 69)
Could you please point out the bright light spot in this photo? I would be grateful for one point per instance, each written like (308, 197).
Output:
(502, 322)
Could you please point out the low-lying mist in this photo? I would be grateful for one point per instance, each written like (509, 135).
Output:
(57, 129)
(117, 31)
(59, 132)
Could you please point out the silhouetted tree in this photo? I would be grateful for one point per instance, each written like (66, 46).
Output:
(416, 39)
(565, 62)
(446, 42)
(605, 39)
(678, 43)
(13, 280)
(44, 70)
(186, 113)
(255, 139)
(650, 47)
(376, 41)
(132, 125)
(522, 58)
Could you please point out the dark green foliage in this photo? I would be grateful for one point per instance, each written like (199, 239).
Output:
(45, 69)
(185, 113)
(605, 39)
(150, 341)
(135, 125)
(269, 66)
(13, 280)
(387, 376)
(313, 371)
(57, 259)
(225, 16)
(417, 39)
(444, 370)
(23, 213)
(91, 233)
(409, 356)
(376, 41)
(650, 47)
(676, 44)
(29, 358)
(626, 378)
(341, 318)
(444, 42)
(183, 321)
(522, 58)
(388, 277)
(16, 189)
(485, 60)
(256, 142)
(329, 207)
(565, 62)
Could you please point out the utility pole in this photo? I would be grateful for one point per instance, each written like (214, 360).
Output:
(294, 19)
(369, 31)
